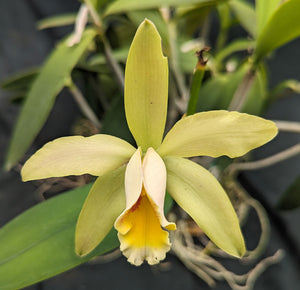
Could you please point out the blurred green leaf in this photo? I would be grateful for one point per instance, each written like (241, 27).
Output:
(282, 27)
(42, 94)
(245, 14)
(283, 88)
(234, 46)
(264, 10)
(225, 19)
(217, 93)
(39, 243)
(291, 198)
(20, 81)
(187, 61)
(119, 55)
(190, 18)
(168, 203)
(96, 4)
(119, 6)
(57, 20)
(138, 17)
(114, 121)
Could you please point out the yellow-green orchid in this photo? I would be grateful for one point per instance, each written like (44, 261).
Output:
(129, 192)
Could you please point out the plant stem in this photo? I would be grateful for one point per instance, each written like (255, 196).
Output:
(265, 162)
(288, 126)
(94, 14)
(80, 24)
(240, 95)
(83, 104)
(174, 60)
(196, 83)
(118, 72)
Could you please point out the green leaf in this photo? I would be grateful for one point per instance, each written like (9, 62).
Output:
(118, 54)
(120, 6)
(114, 121)
(57, 20)
(42, 94)
(187, 61)
(97, 5)
(264, 10)
(194, 16)
(282, 27)
(284, 88)
(39, 243)
(291, 198)
(234, 46)
(20, 81)
(245, 14)
(168, 203)
(216, 93)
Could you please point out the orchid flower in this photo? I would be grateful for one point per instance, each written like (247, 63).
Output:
(130, 190)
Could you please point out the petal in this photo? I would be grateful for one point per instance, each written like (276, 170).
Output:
(133, 185)
(155, 179)
(144, 239)
(146, 87)
(104, 203)
(133, 179)
(141, 225)
(77, 155)
(203, 198)
(217, 133)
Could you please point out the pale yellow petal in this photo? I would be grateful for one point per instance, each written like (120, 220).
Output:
(198, 192)
(133, 179)
(217, 133)
(146, 87)
(104, 203)
(155, 179)
(77, 155)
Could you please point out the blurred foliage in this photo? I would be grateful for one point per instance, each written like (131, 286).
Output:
(291, 198)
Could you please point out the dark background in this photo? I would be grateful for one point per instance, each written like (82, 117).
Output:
(22, 46)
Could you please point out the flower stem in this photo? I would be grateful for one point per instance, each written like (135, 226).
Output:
(196, 82)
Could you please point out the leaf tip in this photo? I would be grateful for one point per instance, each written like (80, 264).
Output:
(80, 249)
